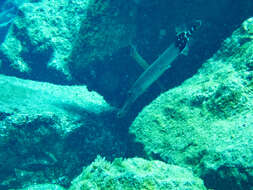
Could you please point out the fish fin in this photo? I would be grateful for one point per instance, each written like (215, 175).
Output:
(137, 57)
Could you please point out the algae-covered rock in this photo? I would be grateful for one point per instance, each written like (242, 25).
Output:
(40, 39)
(101, 60)
(135, 173)
(44, 187)
(49, 131)
(207, 122)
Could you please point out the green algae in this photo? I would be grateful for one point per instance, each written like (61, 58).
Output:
(134, 173)
(205, 123)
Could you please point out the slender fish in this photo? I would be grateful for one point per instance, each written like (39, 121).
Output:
(156, 69)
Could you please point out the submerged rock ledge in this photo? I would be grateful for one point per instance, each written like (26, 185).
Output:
(207, 123)
(130, 174)
(47, 132)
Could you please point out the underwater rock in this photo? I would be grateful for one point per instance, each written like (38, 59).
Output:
(89, 38)
(101, 60)
(44, 187)
(40, 39)
(8, 11)
(108, 27)
(207, 122)
(135, 173)
(48, 131)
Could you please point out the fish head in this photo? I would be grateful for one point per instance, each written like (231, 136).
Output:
(183, 38)
(195, 26)
(181, 41)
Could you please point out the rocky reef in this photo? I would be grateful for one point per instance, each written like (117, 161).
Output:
(135, 173)
(132, 173)
(87, 42)
(48, 132)
(40, 40)
(196, 133)
(101, 57)
(206, 123)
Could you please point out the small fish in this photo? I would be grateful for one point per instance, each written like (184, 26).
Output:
(158, 67)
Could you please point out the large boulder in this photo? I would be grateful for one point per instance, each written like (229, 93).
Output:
(49, 131)
(43, 187)
(135, 173)
(40, 39)
(108, 27)
(129, 174)
(101, 57)
(105, 34)
(88, 41)
(207, 122)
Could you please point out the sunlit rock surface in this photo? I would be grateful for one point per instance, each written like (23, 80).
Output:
(101, 57)
(130, 174)
(207, 122)
(135, 173)
(48, 132)
(40, 39)
(87, 41)
(43, 187)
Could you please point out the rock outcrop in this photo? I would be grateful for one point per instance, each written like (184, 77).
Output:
(49, 131)
(130, 174)
(207, 122)
(135, 173)
(40, 40)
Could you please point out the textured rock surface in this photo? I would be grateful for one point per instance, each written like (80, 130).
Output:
(207, 122)
(89, 36)
(108, 28)
(135, 173)
(41, 39)
(100, 61)
(47, 132)
(44, 187)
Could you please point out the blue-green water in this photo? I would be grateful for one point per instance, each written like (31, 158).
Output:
(68, 66)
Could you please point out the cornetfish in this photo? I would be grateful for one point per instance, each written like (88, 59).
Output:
(157, 68)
